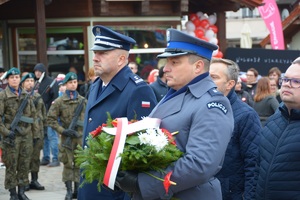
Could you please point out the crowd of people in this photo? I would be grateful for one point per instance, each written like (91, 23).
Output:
(238, 134)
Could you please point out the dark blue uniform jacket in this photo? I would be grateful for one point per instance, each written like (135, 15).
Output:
(126, 95)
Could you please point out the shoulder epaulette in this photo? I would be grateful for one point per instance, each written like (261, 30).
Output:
(214, 92)
(136, 79)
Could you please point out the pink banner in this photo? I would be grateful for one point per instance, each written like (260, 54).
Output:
(270, 13)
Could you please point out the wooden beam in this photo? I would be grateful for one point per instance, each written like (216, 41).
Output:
(184, 6)
(104, 7)
(145, 7)
(221, 24)
(41, 40)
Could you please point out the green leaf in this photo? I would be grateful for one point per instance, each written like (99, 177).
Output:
(133, 140)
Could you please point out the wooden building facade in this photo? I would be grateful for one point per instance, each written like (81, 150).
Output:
(58, 32)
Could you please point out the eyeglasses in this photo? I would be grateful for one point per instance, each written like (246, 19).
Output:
(294, 83)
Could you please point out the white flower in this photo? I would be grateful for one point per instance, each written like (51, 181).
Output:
(154, 137)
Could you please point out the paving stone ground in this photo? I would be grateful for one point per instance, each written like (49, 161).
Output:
(50, 177)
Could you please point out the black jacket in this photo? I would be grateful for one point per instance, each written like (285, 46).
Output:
(48, 94)
(279, 166)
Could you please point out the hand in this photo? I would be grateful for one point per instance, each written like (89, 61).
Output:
(127, 181)
(69, 133)
(11, 135)
(45, 131)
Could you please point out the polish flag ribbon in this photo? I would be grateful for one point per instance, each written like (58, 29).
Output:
(120, 132)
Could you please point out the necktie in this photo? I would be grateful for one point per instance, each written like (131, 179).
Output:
(17, 92)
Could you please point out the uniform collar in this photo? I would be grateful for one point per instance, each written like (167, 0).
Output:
(172, 93)
(14, 90)
(120, 79)
(75, 94)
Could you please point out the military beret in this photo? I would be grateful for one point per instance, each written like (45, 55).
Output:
(107, 39)
(69, 76)
(29, 75)
(180, 43)
(12, 71)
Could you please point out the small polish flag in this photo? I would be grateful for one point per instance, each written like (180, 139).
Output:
(145, 104)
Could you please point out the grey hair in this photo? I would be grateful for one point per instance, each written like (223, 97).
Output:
(233, 69)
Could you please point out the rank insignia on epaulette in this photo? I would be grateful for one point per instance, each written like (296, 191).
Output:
(137, 79)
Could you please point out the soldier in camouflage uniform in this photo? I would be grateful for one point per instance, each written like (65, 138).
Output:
(16, 156)
(64, 108)
(27, 84)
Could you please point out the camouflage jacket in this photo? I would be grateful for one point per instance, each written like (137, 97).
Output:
(9, 104)
(41, 119)
(63, 108)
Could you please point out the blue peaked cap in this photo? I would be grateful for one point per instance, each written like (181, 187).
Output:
(180, 44)
(107, 39)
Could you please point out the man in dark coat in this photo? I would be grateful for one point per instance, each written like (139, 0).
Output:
(48, 96)
(279, 151)
(117, 91)
(237, 175)
(160, 87)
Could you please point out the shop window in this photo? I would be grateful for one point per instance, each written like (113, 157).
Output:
(64, 49)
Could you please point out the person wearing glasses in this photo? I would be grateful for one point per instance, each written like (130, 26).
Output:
(250, 87)
(279, 160)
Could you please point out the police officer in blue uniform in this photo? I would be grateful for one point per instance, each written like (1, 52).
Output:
(117, 91)
(203, 117)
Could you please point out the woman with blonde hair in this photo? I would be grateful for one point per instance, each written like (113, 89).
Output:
(265, 104)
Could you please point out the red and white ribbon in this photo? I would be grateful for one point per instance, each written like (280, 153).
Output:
(122, 130)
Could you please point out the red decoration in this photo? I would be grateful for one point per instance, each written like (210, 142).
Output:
(204, 23)
(167, 182)
(197, 22)
(214, 28)
(193, 17)
(199, 32)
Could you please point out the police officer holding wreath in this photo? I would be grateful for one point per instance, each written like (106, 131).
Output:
(202, 116)
(117, 91)
(27, 83)
(18, 140)
(66, 109)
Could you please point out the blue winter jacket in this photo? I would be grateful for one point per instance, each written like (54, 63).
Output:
(237, 175)
(279, 169)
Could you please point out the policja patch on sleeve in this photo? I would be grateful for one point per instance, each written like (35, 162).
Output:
(218, 105)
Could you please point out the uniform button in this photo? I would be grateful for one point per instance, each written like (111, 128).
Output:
(90, 119)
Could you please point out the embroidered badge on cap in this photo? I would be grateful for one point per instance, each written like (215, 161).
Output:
(98, 31)
(145, 104)
(218, 105)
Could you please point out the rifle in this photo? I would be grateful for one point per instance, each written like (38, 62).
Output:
(46, 90)
(68, 142)
(3, 76)
(17, 118)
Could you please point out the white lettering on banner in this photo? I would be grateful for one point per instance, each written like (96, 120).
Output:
(217, 105)
(275, 40)
(263, 60)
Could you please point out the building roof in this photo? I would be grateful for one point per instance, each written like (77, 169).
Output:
(290, 26)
